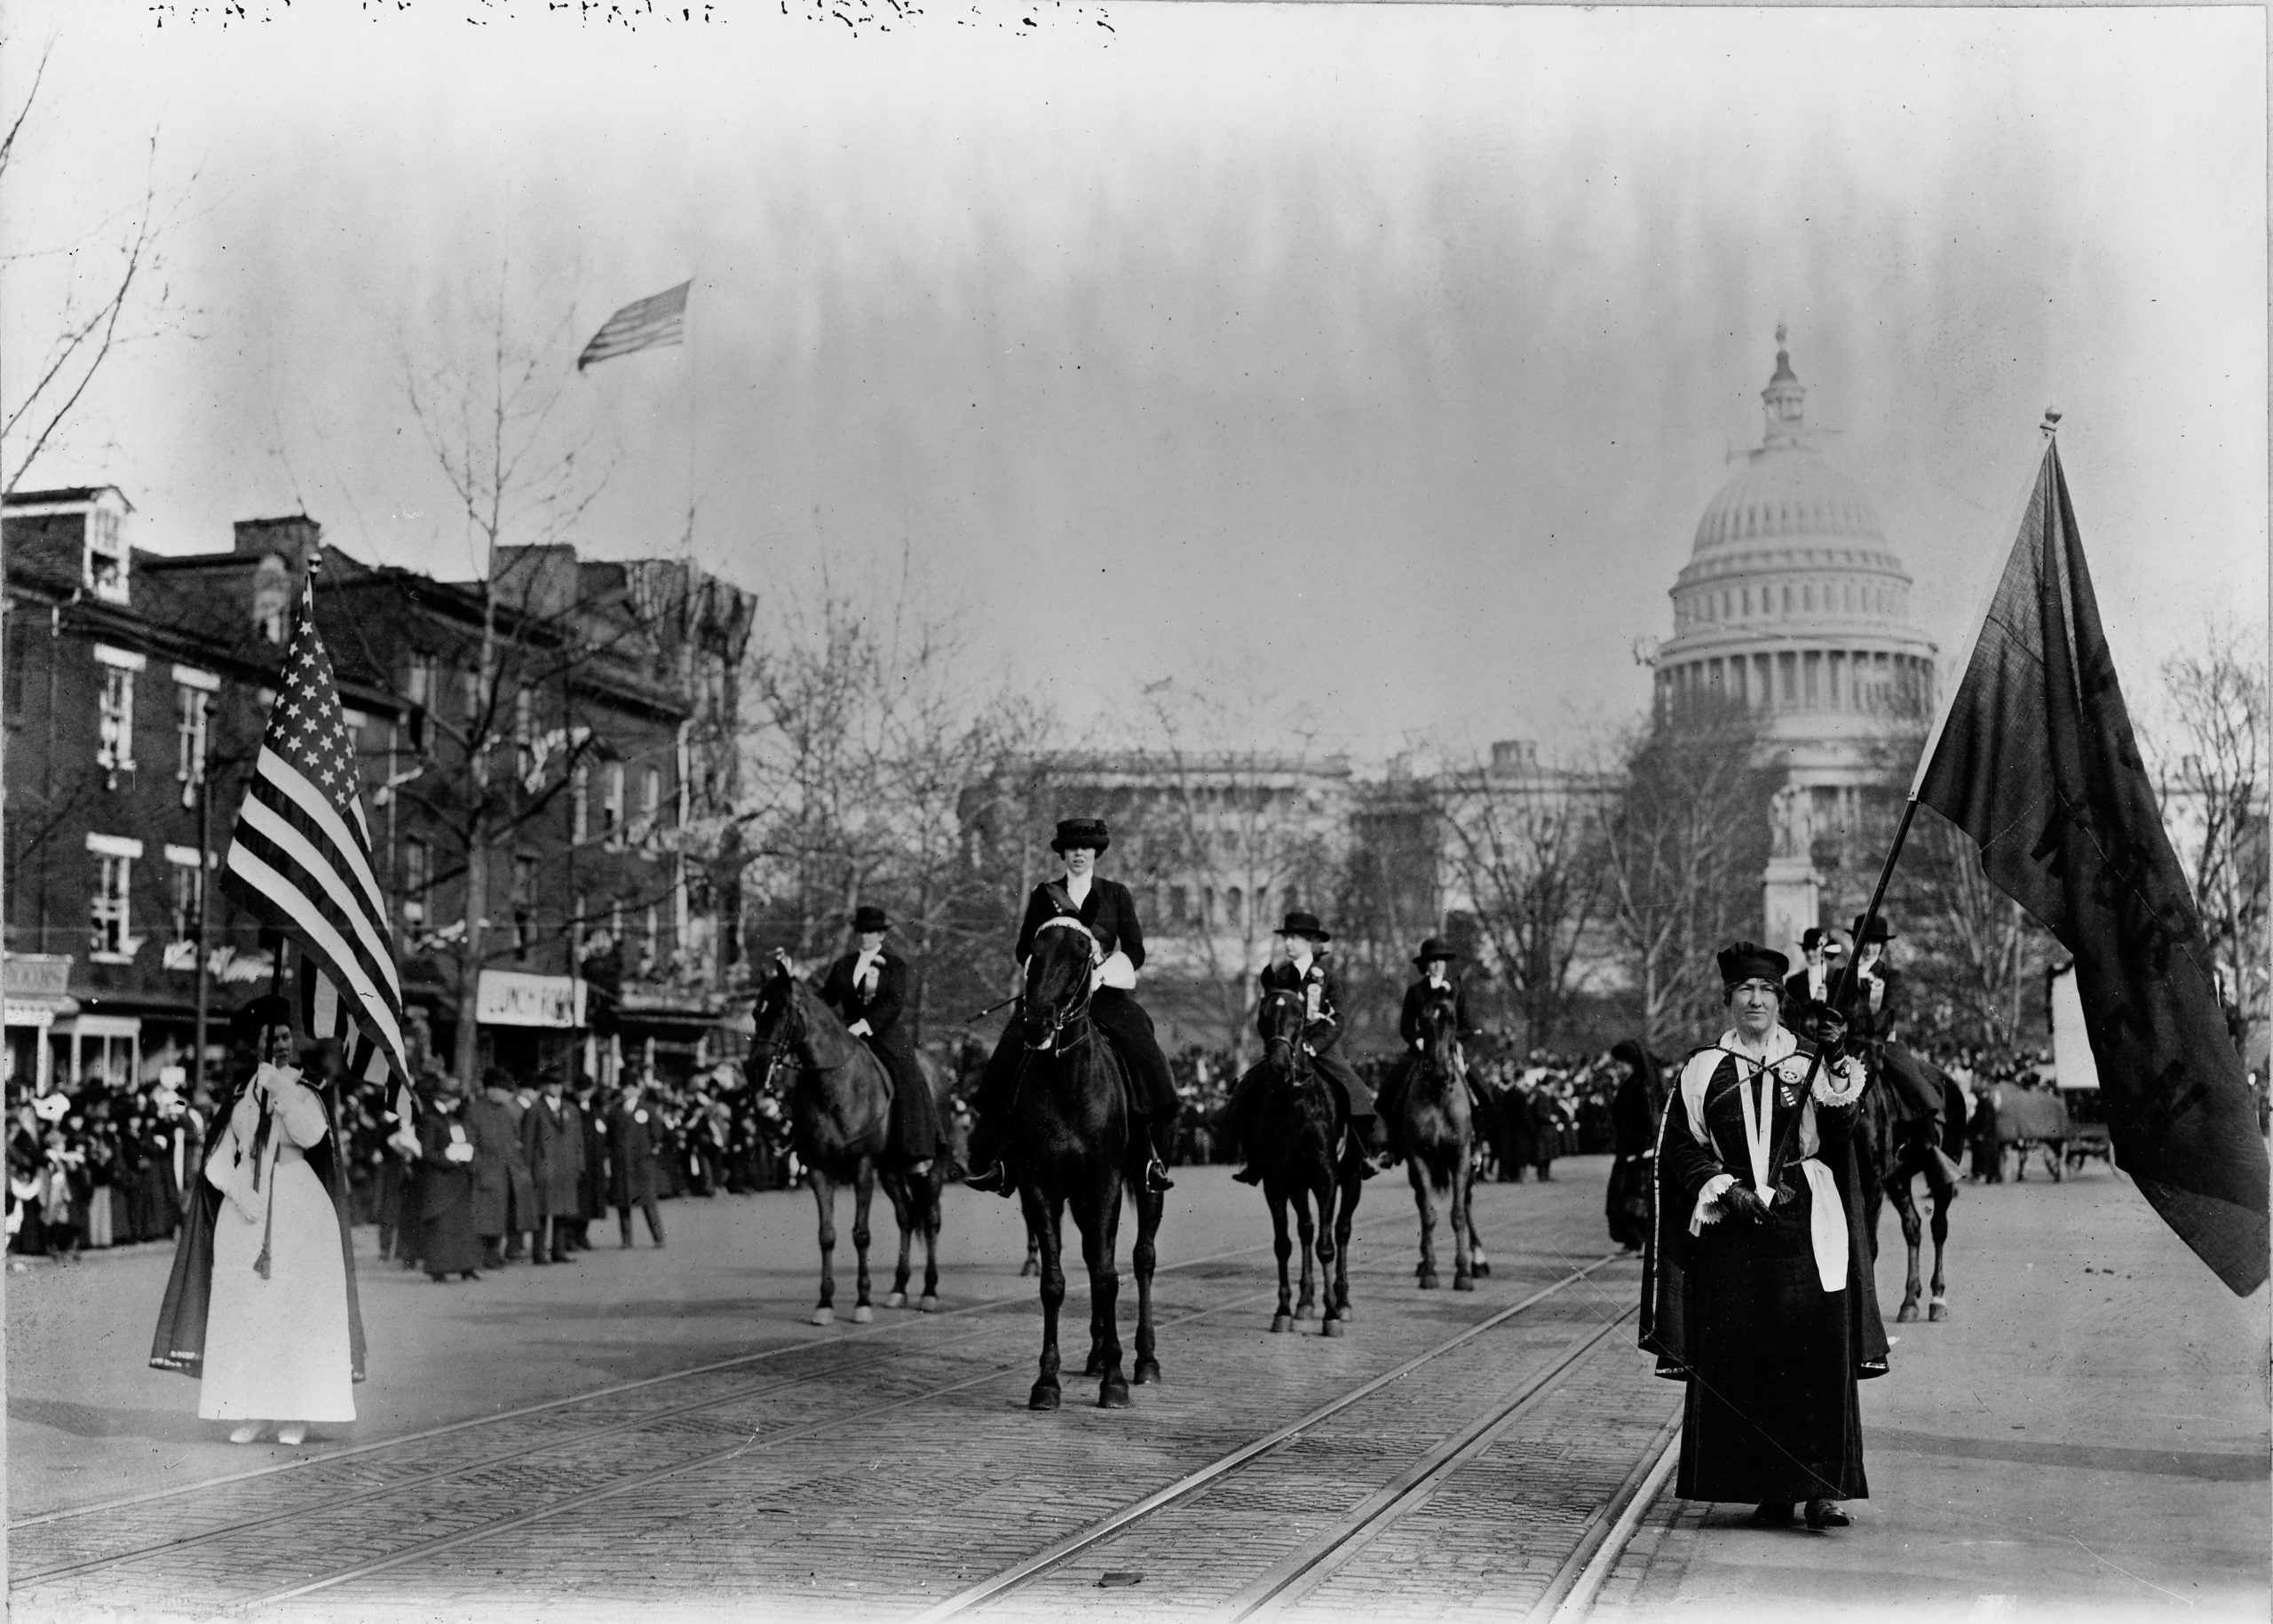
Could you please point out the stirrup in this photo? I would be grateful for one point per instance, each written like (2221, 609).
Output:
(1249, 1176)
(1156, 1176)
(993, 1180)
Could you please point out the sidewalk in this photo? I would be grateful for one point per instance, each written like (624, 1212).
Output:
(2087, 1435)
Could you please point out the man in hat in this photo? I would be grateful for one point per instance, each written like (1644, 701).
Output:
(1301, 966)
(1435, 962)
(1108, 910)
(1757, 1287)
(552, 1143)
(868, 988)
(635, 1168)
(1811, 983)
(504, 1197)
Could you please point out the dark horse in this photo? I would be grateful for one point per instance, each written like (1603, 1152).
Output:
(840, 1116)
(1913, 1114)
(1439, 1132)
(1301, 1143)
(1081, 1146)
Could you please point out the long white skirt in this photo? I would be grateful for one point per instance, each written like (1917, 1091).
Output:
(277, 1349)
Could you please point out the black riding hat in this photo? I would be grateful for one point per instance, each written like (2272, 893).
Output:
(1090, 832)
(1436, 947)
(1879, 930)
(1299, 924)
(1743, 962)
(869, 917)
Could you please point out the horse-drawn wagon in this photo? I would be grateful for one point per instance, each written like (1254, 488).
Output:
(2062, 1126)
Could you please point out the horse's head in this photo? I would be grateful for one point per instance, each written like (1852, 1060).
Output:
(1280, 1021)
(778, 1022)
(1440, 1028)
(1057, 982)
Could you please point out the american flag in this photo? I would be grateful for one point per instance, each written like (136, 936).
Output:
(643, 324)
(301, 857)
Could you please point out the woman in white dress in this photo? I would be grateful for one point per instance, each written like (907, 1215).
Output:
(276, 1338)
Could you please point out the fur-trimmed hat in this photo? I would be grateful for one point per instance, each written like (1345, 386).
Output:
(1090, 832)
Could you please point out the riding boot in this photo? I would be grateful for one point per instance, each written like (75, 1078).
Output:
(1162, 1134)
(993, 1177)
(1941, 1175)
(1374, 1157)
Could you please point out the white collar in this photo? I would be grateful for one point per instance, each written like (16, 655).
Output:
(1079, 888)
(1302, 964)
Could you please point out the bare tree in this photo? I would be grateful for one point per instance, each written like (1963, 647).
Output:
(2212, 777)
(1526, 847)
(494, 421)
(76, 301)
(1683, 843)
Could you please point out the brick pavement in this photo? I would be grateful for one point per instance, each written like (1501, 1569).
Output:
(860, 1480)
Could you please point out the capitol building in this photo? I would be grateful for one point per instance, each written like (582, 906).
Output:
(1792, 603)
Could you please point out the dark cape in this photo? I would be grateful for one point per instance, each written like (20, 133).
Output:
(178, 1343)
(1739, 1312)
(1634, 1114)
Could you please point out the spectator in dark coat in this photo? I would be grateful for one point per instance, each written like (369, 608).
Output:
(592, 1193)
(503, 1189)
(1640, 1102)
(552, 1139)
(634, 1133)
(447, 1242)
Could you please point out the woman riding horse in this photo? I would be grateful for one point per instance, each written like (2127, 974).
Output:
(868, 988)
(1110, 913)
(1301, 968)
(1435, 962)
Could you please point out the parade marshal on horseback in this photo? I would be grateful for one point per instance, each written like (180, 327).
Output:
(868, 988)
(1303, 967)
(1109, 913)
(1757, 1289)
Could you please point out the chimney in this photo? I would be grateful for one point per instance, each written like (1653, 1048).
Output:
(289, 539)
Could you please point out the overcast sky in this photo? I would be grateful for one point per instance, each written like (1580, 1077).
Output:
(1400, 348)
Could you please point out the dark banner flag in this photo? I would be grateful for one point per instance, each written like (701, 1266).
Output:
(2036, 761)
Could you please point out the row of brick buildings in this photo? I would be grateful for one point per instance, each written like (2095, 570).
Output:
(548, 764)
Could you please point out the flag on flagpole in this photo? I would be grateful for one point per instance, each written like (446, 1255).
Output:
(300, 856)
(325, 1012)
(643, 324)
(2035, 760)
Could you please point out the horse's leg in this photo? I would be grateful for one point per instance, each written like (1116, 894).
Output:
(1330, 1319)
(1041, 1228)
(1464, 1259)
(1353, 1183)
(896, 1192)
(1307, 1236)
(1100, 1241)
(825, 1199)
(1913, 1233)
(1150, 1205)
(1938, 1307)
(864, 1189)
(930, 1188)
(1417, 1168)
(1033, 1264)
(1276, 1194)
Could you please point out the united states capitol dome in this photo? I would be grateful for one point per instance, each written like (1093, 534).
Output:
(1793, 603)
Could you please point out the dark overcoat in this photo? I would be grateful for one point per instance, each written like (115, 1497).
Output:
(447, 1240)
(1417, 999)
(552, 1139)
(504, 1197)
(635, 1170)
(915, 1113)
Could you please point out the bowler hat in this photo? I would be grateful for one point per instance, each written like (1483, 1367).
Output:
(869, 917)
(1816, 935)
(1090, 832)
(1743, 962)
(1878, 930)
(1436, 947)
(1299, 924)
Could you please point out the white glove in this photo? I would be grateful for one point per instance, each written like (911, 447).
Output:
(859, 1029)
(458, 1152)
(1117, 971)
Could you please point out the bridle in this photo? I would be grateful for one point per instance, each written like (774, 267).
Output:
(1299, 1067)
(1077, 1009)
(788, 1039)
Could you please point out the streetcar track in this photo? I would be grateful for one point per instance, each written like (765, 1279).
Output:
(643, 1419)
(1570, 1595)
(592, 1394)
(1285, 1582)
(490, 1530)
(1056, 1555)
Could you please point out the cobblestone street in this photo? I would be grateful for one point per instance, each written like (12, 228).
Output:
(661, 1431)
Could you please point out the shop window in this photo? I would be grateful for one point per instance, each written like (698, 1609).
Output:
(186, 892)
(417, 880)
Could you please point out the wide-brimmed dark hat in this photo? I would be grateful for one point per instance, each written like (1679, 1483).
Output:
(1436, 947)
(1299, 924)
(1816, 935)
(1090, 832)
(869, 917)
(252, 1021)
(1879, 930)
(1742, 961)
